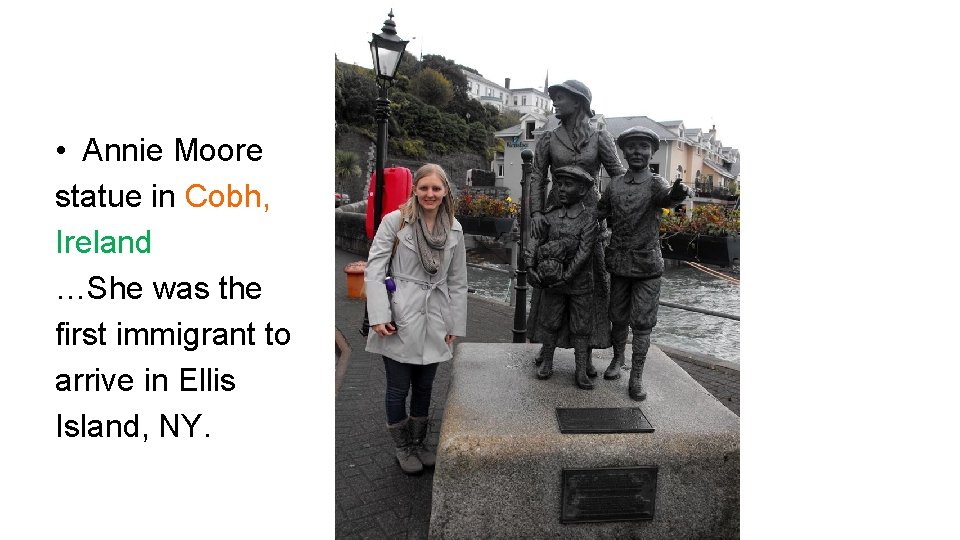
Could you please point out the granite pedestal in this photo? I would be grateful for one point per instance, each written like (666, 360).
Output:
(501, 453)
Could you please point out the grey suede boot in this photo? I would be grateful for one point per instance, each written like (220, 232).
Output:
(419, 427)
(546, 358)
(581, 356)
(640, 346)
(619, 337)
(406, 452)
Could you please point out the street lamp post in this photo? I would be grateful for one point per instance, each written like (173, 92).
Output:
(387, 51)
(520, 310)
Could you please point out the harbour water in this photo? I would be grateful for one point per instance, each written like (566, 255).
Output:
(706, 334)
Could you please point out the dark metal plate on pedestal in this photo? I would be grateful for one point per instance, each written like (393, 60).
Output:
(601, 495)
(609, 420)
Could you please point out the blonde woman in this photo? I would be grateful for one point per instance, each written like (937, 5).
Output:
(415, 326)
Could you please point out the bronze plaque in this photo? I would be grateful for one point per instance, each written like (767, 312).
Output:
(601, 495)
(611, 420)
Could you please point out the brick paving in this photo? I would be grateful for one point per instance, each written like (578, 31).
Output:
(373, 498)
(723, 383)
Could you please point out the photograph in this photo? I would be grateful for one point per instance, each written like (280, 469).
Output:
(537, 248)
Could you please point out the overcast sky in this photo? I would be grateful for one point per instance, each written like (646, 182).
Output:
(664, 60)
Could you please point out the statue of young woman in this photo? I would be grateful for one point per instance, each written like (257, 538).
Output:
(573, 142)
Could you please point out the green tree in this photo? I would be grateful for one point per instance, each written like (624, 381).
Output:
(449, 69)
(432, 87)
(409, 66)
(478, 137)
(357, 93)
(507, 119)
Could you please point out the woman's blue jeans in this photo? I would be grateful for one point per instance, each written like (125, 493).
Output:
(400, 379)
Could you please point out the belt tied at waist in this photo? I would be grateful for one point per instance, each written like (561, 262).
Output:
(427, 286)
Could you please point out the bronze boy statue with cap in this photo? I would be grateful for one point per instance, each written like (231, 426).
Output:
(562, 266)
(632, 205)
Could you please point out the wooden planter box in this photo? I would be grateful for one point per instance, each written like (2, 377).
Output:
(718, 250)
(486, 226)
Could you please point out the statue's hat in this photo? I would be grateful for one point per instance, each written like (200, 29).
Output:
(577, 88)
(572, 171)
(639, 132)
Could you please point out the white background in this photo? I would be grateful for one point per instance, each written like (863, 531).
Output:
(224, 73)
(849, 357)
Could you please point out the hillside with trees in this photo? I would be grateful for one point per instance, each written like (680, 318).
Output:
(432, 117)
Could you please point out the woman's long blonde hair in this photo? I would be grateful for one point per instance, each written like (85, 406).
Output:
(411, 208)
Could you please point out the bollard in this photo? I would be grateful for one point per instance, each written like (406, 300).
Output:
(355, 273)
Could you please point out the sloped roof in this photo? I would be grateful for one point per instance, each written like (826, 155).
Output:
(512, 131)
(481, 78)
(719, 169)
(616, 125)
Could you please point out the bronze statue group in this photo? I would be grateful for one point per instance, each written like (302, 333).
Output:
(588, 294)
(585, 296)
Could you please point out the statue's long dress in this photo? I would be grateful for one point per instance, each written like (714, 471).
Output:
(555, 149)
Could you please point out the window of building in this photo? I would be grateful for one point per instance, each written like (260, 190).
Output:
(500, 171)
(514, 101)
(529, 130)
(469, 86)
(523, 100)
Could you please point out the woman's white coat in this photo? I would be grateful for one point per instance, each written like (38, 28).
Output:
(424, 308)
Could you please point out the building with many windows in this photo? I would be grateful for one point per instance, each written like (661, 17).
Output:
(522, 100)
(708, 168)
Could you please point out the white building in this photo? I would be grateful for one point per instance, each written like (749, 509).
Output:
(522, 100)
(698, 157)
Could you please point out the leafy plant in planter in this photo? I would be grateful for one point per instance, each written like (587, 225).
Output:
(480, 205)
(708, 220)
(710, 235)
(485, 215)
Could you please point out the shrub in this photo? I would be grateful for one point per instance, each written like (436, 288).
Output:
(480, 205)
(709, 219)
(413, 148)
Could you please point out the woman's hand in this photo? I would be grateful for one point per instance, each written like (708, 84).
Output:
(449, 339)
(386, 329)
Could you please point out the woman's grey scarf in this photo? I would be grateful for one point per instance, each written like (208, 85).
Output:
(430, 244)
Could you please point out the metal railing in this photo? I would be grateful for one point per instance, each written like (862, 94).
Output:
(700, 310)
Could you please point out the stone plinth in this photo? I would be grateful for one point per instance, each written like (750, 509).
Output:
(501, 452)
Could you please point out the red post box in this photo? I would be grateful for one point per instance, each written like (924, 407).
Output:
(397, 186)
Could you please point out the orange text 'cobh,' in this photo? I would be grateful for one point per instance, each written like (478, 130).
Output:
(199, 196)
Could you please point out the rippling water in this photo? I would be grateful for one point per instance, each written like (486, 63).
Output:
(687, 330)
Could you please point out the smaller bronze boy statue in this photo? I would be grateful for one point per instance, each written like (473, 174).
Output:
(562, 265)
(632, 205)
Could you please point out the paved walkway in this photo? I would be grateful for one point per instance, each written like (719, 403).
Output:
(373, 498)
